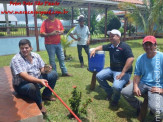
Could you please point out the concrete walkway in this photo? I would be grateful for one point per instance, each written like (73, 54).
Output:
(12, 107)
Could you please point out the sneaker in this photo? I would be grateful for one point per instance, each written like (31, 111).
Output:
(42, 109)
(82, 65)
(109, 97)
(66, 75)
(51, 98)
(156, 119)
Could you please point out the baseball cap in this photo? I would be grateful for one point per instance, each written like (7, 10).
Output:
(151, 39)
(51, 11)
(114, 31)
(81, 18)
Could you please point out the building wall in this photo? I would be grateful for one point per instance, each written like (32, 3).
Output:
(10, 45)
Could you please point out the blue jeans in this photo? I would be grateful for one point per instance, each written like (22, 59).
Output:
(32, 90)
(53, 49)
(117, 86)
(155, 100)
(86, 48)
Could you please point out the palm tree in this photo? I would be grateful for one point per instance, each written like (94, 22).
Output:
(65, 43)
(146, 18)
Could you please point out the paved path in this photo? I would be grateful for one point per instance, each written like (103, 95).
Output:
(13, 108)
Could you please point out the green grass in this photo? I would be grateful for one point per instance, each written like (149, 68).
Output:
(98, 110)
(97, 36)
(19, 32)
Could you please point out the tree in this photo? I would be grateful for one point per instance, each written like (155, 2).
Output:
(93, 18)
(112, 22)
(6, 18)
(148, 18)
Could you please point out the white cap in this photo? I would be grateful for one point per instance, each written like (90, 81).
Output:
(114, 31)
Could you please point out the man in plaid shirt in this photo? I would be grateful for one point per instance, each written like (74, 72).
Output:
(29, 75)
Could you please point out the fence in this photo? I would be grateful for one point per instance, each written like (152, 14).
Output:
(20, 31)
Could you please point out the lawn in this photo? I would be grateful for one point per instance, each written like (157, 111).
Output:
(98, 110)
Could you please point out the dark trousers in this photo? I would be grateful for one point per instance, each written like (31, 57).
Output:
(86, 48)
(32, 90)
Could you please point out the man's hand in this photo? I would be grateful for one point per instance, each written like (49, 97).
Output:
(120, 76)
(47, 69)
(43, 82)
(54, 33)
(78, 39)
(59, 32)
(156, 90)
(92, 53)
(88, 42)
(137, 91)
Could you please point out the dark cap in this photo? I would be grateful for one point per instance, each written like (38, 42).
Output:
(81, 18)
(51, 11)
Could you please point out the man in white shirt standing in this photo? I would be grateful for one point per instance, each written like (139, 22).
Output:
(83, 38)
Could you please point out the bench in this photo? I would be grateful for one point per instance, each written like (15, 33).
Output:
(14, 108)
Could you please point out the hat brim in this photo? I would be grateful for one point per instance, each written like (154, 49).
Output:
(80, 20)
(51, 14)
(149, 41)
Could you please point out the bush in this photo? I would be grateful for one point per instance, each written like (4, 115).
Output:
(75, 103)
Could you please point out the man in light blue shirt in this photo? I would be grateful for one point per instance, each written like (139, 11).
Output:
(83, 38)
(148, 79)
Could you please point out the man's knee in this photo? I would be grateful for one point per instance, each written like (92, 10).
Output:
(98, 77)
(156, 109)
(31, 89)
(53, 75)
(117, 87)
(126, 92)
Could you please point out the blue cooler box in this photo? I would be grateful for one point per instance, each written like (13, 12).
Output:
(97, 62)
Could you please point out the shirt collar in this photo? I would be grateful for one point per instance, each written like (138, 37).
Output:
(24, 57)
(112, 46)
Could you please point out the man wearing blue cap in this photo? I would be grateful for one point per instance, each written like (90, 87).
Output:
(51, 29)
(121, 59)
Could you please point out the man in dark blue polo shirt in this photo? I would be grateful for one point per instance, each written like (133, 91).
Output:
(121, 59)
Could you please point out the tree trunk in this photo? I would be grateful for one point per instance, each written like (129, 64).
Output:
(6, 18)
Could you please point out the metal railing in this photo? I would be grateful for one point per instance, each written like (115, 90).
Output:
(20, 31)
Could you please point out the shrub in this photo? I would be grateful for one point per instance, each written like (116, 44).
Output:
(75, 103)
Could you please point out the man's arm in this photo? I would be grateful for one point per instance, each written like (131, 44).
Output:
(126, 67)
(43, 34)
(89, 38)
(30, 78)
(72, 36)
(136, 89)
(157, 90)
(99, 48)
(46, 69)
